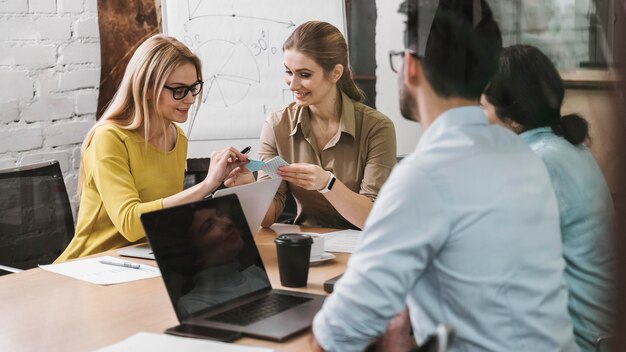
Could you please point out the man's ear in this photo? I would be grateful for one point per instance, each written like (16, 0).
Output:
(515, 126)
(336, 73)
(412, 69)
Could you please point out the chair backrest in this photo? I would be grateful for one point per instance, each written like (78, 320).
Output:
(36, 221)
(605, 343)
(196, 171)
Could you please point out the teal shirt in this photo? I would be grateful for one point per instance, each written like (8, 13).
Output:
(586, 214)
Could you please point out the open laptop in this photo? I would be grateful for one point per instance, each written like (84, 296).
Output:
(255, 200)
(214, 274)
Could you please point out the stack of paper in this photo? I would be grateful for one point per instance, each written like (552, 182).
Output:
(344, 241)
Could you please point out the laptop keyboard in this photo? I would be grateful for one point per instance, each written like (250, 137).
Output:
(260, 309)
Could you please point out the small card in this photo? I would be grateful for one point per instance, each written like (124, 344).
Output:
(269, 167)
(272, 166)
(254, 165)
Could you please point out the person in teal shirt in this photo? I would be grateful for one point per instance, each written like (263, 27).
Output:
(526, 96)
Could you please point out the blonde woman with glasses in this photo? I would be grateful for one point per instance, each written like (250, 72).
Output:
(133, 159)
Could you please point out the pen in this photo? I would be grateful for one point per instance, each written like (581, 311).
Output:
(246, 150)
(122, 264)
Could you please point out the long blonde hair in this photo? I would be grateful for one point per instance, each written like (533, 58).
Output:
(134, 105)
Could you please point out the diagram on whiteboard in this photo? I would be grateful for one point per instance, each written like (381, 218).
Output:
(226, 83)
(240, 45)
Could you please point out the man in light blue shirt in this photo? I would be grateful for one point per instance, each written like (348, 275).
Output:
(466, 229)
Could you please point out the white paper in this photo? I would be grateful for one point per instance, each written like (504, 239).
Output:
(285, 228)
(91, 270)
(344, 241)
(151, 342)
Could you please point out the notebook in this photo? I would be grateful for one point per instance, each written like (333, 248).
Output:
(214, 275)
(255, 199)
(139, 251)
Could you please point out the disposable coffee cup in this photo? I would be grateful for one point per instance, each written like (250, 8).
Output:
(293, 251)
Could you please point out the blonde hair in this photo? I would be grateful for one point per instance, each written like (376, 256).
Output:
(134, 105)
(324, 43)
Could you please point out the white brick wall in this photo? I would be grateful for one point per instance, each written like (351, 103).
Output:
(42, 6)
(31, 56)
(13, 6)
(9, 113)
(49, 78)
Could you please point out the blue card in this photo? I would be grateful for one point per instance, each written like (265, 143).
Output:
(254, 165)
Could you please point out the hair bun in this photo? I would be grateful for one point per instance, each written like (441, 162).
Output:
(574, 128)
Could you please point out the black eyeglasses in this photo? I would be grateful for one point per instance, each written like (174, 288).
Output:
(396, 58)
(181, 92)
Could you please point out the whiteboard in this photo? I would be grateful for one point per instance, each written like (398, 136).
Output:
(240, 45)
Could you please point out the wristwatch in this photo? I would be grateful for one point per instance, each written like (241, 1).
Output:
(329, 185)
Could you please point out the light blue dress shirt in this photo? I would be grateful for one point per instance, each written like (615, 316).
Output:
(466, 228)
(586, 211)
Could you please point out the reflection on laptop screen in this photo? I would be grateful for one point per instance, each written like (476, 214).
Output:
(206, 254)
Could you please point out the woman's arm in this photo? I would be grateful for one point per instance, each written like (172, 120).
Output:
(352, 206)
(107, 164)
(225, 165)
(270, 216)
(268, 150)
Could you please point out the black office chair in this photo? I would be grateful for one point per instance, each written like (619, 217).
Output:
(196, 171)
(605, 343)
(36, 221)
(288, 216)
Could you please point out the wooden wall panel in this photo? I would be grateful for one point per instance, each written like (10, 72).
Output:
(123, 26)
(606, 129)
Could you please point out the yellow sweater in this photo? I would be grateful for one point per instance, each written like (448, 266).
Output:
(124, 177)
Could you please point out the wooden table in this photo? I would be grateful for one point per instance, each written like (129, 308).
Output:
(44, 311)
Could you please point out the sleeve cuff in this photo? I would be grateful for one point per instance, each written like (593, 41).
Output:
(329, 338)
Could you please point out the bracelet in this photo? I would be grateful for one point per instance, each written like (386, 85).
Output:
(329, 185)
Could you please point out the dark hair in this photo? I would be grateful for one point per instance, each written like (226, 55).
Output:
(324, 43)
(528, 89)
(461, 51)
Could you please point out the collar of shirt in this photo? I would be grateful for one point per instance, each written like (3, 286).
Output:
(532, 135)
(346, 120)
(455, 117)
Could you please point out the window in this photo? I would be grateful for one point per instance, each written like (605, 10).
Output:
(575, 34)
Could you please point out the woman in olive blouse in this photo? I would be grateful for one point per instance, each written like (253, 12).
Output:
(340, 151)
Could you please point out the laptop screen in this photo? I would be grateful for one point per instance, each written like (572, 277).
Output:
(206, 253)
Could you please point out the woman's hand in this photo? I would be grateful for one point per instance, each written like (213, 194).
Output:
(308, 176)
(239, 176)
(225, 164)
